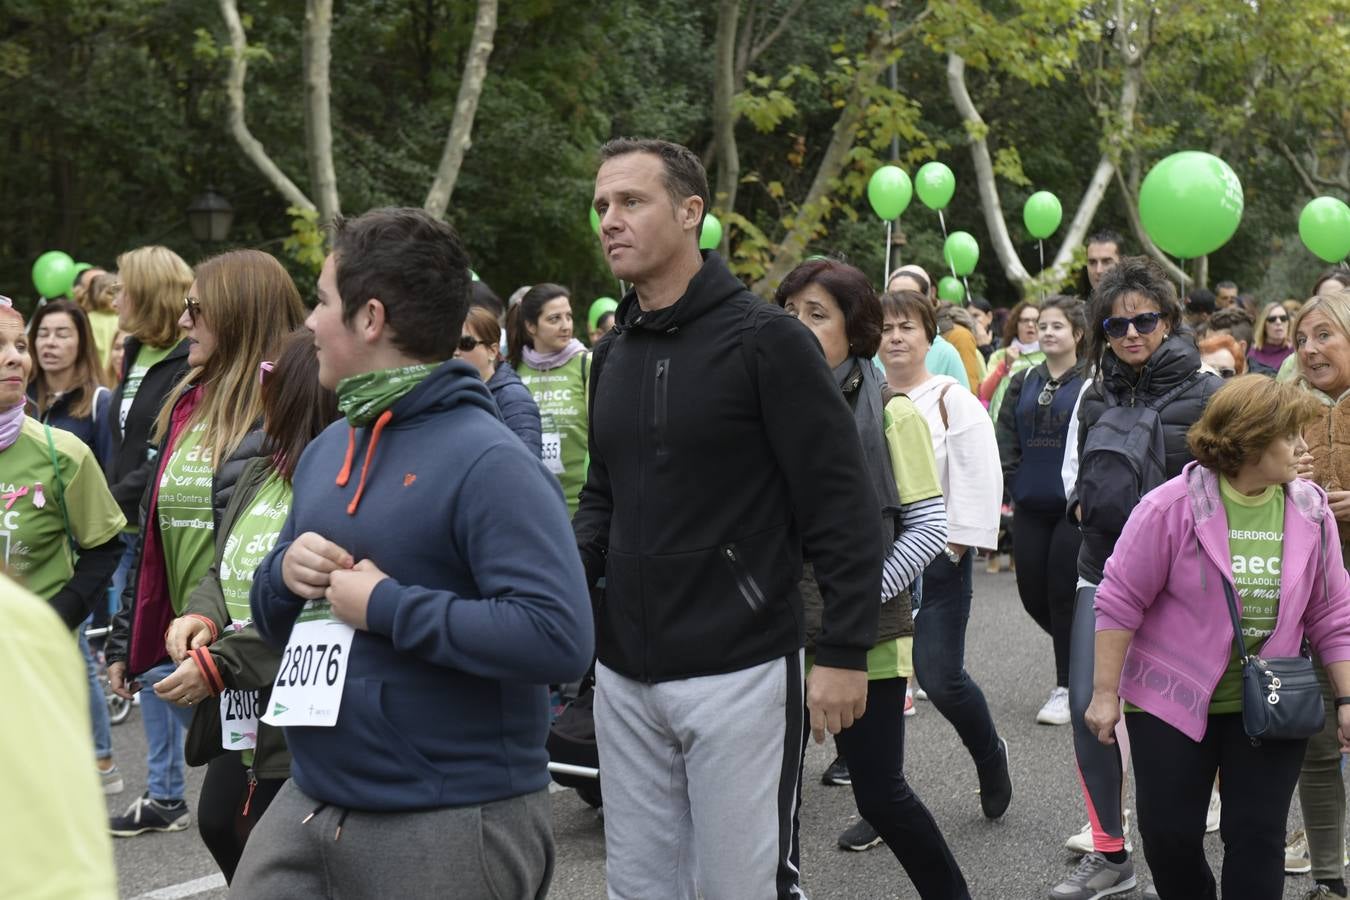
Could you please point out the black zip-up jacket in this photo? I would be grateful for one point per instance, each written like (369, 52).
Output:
(132, 461)
(721, 449)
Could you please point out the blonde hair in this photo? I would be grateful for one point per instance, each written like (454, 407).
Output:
(98, 294)
(1246, 416)
(249, 302)
(1259, 334)
(156, 280)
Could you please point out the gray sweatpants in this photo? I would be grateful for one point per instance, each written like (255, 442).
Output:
(497, 851)
(700, 782)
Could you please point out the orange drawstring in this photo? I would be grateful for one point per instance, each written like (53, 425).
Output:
(383, 420)
(346, 472)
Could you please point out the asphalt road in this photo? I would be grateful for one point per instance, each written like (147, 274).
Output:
(1016, 858)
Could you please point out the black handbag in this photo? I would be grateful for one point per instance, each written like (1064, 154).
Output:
(1281, 698)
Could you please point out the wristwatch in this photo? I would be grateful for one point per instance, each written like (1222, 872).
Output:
(955, 559)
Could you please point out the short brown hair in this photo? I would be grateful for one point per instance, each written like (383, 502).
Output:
(851, 292)
(484, 324)
(684, 173)
(913, 306)
(1246, 416)
(1014, 320)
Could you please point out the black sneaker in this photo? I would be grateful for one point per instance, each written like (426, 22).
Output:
(859, 836)
(837, 773)
(145, 815)
(996, 783)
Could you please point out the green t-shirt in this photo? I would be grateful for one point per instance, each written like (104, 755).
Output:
(252, 538)
(561, 396)
(32, 531)
(146, 357)
(1256, 546)
(184, 513)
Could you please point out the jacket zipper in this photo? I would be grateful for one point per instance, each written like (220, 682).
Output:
(642, 589)
(745, 581)
(659, 411)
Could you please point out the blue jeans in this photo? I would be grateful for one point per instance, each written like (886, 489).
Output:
(98, 703)
(940, 656)
(165, 730)
(119, 580)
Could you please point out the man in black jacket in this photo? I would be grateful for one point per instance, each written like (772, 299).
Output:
(721, 450)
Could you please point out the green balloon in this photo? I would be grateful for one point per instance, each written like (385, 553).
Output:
(53, 273)
(1324, 226)
(935, 185)
(711, 235)
(889, 191)
(1042, 214)
(598, 308)
(1191, 204)
(961, 252)
(595, 220)
(951, 289)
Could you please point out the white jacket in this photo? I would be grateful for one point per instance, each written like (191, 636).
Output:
(967, 460)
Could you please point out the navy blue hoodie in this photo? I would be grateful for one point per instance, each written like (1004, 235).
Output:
(445, 702)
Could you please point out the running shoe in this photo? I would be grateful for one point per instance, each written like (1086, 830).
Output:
(859, 836)
(996, 783)
(836, 774)
(111, 779)
(920, 693)
(1318, 892)
(1081, 842)
(1215, 807)
(1296, 858)
(909, 704)
(145, 815)
(1056, 709)
(1096, 876)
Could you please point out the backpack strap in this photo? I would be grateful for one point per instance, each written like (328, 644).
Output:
(1175, 392)
(942, 406)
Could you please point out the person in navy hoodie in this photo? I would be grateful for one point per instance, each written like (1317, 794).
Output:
(419, 764)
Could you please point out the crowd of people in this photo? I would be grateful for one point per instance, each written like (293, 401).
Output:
(335, 550)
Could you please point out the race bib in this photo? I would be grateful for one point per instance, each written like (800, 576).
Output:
(308, 687)
(239, 720)
(553, 451)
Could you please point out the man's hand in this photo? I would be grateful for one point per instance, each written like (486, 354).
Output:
(310, 561)
(1102, 715)
(349, 592)
(185, 635)
(117, 675)
(185, 686)
(835, 698)
(1340, 505)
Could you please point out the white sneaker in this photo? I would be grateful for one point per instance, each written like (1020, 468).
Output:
(920, 694)
(1056, 709)
(1212, 817)
(1081, 843)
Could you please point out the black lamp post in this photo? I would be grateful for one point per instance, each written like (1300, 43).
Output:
(209, 217)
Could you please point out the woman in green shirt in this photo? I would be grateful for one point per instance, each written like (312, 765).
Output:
(554, 366)
(234, 314)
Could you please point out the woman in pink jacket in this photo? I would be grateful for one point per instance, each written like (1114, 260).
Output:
(1165, 639)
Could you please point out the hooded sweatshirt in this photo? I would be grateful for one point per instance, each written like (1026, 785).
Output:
(446, 700)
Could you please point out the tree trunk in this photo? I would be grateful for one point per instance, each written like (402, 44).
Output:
(466, 105)
(234, 89)
(724, 120)
(318, 115)
(1131, 199)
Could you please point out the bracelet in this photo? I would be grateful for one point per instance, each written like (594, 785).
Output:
(1342, 701)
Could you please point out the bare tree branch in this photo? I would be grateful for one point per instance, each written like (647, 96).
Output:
(1301, 172)
(767, 41)
(724, 116)
(1137, 226)
(234, 89)
(318, 113)
(466, 105)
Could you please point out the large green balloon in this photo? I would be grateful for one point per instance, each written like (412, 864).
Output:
(961, 252)
(889, 191)
(598, 308)
(53, 273)
(935, 185)
(711, 235)
(1324, 226)
(1042, 214)
(951, 289)
(595, 220)
(1191, 204)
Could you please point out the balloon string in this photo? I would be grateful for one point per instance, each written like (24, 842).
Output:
(965, 301)
(943, 221)
(887, 274)
(1040, 243)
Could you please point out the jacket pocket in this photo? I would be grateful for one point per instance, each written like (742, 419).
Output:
(745, 581)
(661, 405)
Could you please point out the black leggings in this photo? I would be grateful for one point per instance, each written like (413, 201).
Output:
(1100, 765)
(1045, 548)
(1173, 776)
(221, 819)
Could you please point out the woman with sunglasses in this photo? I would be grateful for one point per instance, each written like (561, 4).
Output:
(1273, 342)
(1021, 350)
(235, 312)
(218, 652)
(1221, 354)
(479, 345)
(554, 366)
(1033, 430)
(1142, 358)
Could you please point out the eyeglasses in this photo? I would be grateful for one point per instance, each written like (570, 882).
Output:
(1226, 372)
(194, 308)
(467, 342)
(1031, 321)
(1119, 326)
(1279, 319)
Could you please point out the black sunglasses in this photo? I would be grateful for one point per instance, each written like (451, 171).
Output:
(194, 308)
(467, 342)
(1119, 326)
(1226, 372)
(1277, 318)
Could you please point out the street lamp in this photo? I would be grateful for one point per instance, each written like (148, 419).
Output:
(209, 217)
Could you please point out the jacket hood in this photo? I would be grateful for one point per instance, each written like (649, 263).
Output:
(1202, 490)
(713, 284)
(1175, 360)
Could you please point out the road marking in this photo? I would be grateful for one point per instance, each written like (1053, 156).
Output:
(186, 889)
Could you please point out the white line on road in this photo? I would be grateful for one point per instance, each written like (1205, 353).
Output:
(186, 889)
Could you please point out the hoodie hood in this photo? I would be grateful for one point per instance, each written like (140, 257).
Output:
(713, 285)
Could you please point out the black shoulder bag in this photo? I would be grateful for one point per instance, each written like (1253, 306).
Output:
(1281, 699)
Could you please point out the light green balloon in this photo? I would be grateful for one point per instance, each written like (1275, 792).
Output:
(889, 191)
(1324, 226)
(961, 252)
(1191, 204)
(53, 273)
(711, 235)
(935, 185)
(951, 289)
(1042, 214)
(595, 220)
(599, 307)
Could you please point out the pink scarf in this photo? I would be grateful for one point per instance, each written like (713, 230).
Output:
(11, 423)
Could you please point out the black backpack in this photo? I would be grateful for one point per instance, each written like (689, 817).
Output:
(1124, 457)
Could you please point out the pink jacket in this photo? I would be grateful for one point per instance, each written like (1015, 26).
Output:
(1164, 582)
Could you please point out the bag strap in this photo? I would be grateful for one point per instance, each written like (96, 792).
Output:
(1175, 392)
(942, 406)
(1237, 622)
(60, 489)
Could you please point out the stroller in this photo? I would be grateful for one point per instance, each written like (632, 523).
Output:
(573, 759)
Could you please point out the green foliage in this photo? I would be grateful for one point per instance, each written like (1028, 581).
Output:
(306, 241)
